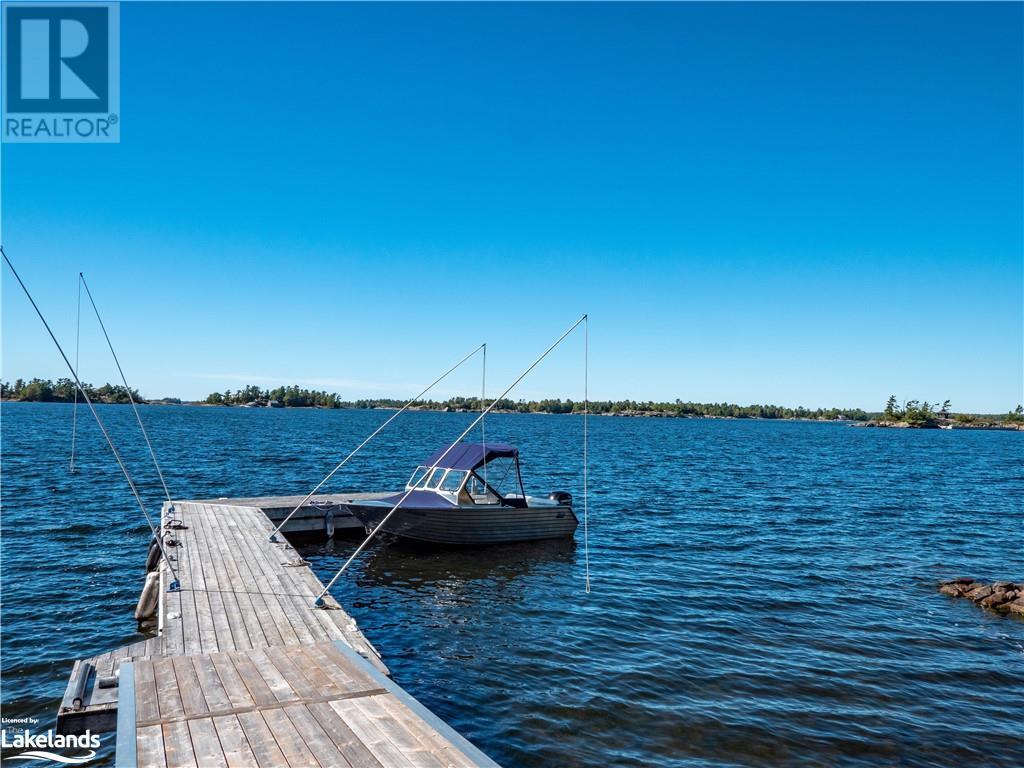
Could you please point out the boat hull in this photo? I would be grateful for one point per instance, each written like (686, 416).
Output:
(469, 526)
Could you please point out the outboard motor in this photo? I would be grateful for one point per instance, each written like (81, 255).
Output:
(562, 497)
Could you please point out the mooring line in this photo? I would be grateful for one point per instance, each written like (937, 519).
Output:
(78, 336)
(175, 584)
(128, 389)
(319, 602)
(377, 431)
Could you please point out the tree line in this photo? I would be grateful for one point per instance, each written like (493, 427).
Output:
(917, 413)
(294, 396)
(674, 409)
(63, 391)
(286, 397)
(913, 412)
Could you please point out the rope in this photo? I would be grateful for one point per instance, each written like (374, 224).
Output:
(124, 381)
(99, 421)
(319, 602)
(78, 336)
(377, 431)
(586, 464)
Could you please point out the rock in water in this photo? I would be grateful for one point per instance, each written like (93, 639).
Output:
(1001, 596)
(996, 598)
(980, 593)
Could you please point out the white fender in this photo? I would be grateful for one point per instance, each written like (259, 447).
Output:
(149, 598)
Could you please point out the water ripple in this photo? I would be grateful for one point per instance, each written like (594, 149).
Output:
(763, 593)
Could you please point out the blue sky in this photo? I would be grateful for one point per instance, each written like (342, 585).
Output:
(799, 204)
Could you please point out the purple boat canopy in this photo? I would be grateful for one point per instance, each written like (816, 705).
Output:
(472, 455)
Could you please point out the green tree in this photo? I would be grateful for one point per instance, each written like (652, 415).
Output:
(37, 390)
(919, 414)
(890, 409)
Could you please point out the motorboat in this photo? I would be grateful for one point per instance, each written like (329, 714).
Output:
(468, 493)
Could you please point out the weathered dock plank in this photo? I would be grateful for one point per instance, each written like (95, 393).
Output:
(294, 714)
(240, 591)
(245, 671)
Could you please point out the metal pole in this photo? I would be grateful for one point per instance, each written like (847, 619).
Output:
(128, 389)
(319, 602)
(174, 586)
(377, 431)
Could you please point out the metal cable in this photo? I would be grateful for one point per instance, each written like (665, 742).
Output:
(483, 421)
(377, 431)
(319, 602)
(124, 381)
(99, 421)
(78, 336)
(586, 409)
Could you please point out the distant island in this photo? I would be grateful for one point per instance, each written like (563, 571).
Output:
(911, 414)
(914, 414)
(63, 391)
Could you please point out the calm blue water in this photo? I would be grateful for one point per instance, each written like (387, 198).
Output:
(763, 593)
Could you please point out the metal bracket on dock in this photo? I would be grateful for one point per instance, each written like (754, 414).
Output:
(174, 586)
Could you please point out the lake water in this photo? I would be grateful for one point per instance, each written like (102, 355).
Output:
(763, 592)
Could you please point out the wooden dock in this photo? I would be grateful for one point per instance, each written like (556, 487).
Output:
(244, 671)
(321, 512)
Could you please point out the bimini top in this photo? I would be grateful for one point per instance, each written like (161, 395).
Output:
(472, 455)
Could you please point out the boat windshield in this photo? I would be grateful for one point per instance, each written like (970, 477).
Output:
(453, 480)
(417, 478)
(435, 478)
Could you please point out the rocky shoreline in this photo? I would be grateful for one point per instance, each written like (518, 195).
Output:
(999, 596)
(1010, 426)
